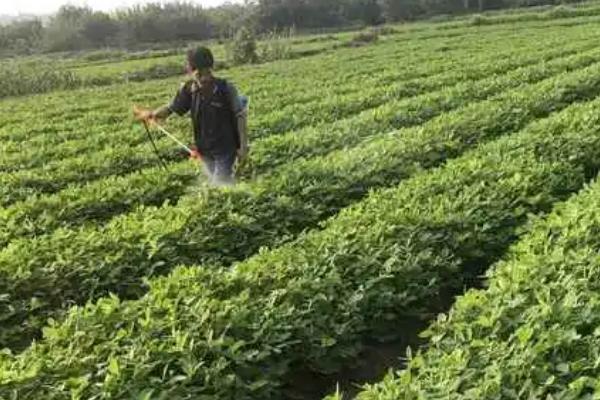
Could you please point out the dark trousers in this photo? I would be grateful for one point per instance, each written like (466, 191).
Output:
(219, 167)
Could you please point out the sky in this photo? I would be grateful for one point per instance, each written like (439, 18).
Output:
(16, 7)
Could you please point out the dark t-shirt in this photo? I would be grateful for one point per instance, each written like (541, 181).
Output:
(213, 117)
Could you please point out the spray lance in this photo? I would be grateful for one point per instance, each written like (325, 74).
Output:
(151, 122)
(193, 153)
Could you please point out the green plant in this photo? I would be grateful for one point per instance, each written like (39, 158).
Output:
(242, 49)
(18, 80)
(73, 206)
(380, 176)
(276, 45)
(478, 20)
(533, 333)
(241, 332)
(560, 11)
(363, 38)
(155, 72)
(267, 212)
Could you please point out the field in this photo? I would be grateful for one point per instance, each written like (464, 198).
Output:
(432, 189)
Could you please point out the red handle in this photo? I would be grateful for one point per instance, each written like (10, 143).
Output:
(195, 154)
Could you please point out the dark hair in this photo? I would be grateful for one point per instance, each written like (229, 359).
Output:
(200, 58)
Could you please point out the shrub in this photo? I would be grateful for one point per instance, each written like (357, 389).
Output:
(18, 80)
(559, 12)
(276, 46)
(385, 30)
(242, 49)
(100, 55)
(478, 20)
(156, 71)
(363, 38)
(441, 18)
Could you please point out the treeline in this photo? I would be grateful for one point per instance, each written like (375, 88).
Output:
(77, 28)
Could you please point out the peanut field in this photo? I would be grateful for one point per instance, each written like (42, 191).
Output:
(444, 172)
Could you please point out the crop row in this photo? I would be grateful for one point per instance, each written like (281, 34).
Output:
(286, 88)
(107, 197)
(329, 109)
(312, 141)
(104, 102)
(54, 176)
(45, 143)
(19, 186)
(42, 275)
(100, 74)
(533, 333)
(59, 132)
(104, 134)
(535, 27)
(242, 333)
(114, 71)
(303, 45)
(96, 202)
(108, 106)
(555, 13)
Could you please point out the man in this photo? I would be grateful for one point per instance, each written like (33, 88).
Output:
(218, 116)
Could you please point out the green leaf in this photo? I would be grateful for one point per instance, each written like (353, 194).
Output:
(563, 368)
(113, 366)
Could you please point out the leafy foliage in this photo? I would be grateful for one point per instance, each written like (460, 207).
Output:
(238, 332)
(268, 212)
(382, 175)
(19, 80)
(276, 45)
(75, 28)
(243, 49)
(533, 332)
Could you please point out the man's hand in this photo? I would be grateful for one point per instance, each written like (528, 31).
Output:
(143, 114)
(195, 155)
(146, 115)
(242, 153)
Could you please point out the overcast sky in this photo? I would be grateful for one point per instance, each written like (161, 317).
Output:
(15, 7)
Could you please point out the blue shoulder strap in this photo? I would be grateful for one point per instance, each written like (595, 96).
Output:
(222, 86)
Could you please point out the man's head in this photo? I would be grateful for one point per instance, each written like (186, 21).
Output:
(200, 61)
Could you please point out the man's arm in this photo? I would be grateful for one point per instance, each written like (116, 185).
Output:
(242, 122)
(241, 118)
(161, 113)
(180, 105)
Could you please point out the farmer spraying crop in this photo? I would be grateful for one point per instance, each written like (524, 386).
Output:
(219, 117)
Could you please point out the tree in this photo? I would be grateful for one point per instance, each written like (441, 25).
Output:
(278, 14)
(183, 21)
(228, 18)
(22, 37)
(155, 22)
(323, 13)
(77, 28)
(399, 10)
(142, 23)
(432, 7)
(367, 11)
(99, 29)
(64, 31)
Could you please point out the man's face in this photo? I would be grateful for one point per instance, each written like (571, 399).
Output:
(189, 69)
(204, 76)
